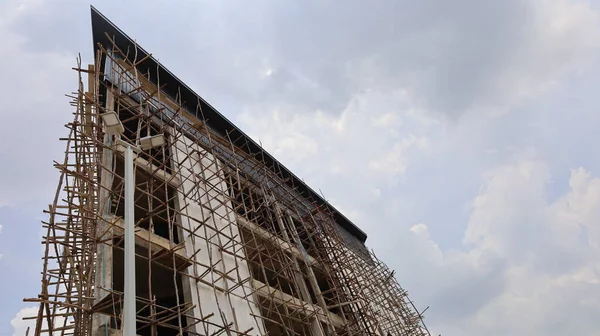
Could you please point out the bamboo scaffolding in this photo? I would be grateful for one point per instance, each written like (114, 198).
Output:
(224, 243)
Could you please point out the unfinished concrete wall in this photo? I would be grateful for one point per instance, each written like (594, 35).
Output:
(218, 280)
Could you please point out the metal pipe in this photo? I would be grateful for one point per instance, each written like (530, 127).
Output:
(129, 309)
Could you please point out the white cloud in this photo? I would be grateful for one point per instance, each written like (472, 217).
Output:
(420, 230)
(519, 249)
(395, 162)
(545, 265)
(454, 57)
(19, 325)
(365, 139)
(556, 40)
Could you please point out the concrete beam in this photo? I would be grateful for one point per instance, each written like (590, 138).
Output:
(153, 169)
(155, 243)
(269, 292)
(243, 222)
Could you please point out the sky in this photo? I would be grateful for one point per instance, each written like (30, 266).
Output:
(461, 136)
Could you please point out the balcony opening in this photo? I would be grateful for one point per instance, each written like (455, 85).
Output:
(158, 292)
(154, 202)
(269, 264)
(252, 205)
(139, 125)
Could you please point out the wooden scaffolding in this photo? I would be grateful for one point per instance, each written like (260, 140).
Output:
(224, 244)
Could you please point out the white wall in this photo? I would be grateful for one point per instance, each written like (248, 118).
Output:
(207, 202)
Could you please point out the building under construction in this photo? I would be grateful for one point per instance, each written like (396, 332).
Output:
(227, 240)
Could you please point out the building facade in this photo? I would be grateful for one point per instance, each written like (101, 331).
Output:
(227, 240)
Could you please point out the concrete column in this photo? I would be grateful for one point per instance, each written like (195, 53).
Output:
(104, 263)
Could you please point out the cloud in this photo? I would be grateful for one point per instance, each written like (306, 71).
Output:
(453, 58)
(524, 257)
(326, 149)
(420, 230)
(19, 325)
(496, 247)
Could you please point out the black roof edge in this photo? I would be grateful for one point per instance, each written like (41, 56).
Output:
(171, 84)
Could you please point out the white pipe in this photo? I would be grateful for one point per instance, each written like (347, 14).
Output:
(129, 309)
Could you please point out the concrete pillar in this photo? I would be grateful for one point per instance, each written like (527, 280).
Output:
(104, 261)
